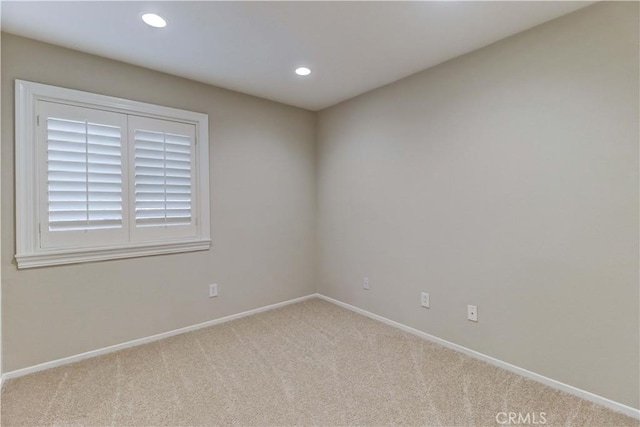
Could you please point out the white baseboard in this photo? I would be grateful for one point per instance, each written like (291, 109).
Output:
(611, 404)
(105, 350)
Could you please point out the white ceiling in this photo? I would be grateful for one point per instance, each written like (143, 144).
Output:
(253, 47)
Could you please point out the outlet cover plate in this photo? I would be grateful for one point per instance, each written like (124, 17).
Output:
(424, 300)
(472, 313)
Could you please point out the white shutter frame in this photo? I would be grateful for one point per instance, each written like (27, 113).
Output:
(52, 236)
(158, 230)
(29, 254)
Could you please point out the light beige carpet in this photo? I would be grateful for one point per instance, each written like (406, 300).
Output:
(311, 363)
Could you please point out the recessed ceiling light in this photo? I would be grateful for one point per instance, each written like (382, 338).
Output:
(154, 20)
(303, 71)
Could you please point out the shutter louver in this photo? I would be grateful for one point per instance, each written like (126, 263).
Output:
(163, 172)
(84, 175)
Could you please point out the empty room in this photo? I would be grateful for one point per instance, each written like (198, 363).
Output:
(331, 213)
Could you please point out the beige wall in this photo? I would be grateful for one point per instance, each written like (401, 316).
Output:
(262, 216)
(506, 178)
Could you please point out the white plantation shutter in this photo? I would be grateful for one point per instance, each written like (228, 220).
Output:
(101, 178)
(162, 178)
(84, 175)
(163, 168)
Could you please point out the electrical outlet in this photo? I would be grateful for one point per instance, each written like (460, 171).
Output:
(213, 290)
(424, 299)
(365, 283)
(472, 313)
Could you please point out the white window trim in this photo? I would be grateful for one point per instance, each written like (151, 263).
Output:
(28, 251)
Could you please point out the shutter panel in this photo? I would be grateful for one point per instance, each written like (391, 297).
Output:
(164, 177)
(84, 175)
(84, 199)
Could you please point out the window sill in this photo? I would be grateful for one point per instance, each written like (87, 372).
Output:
(74, 256)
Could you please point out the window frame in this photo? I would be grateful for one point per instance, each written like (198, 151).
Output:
(29, 252)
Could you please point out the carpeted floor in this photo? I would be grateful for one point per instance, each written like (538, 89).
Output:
(312, 363)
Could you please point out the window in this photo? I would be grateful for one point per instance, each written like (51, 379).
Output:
(103, 178)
